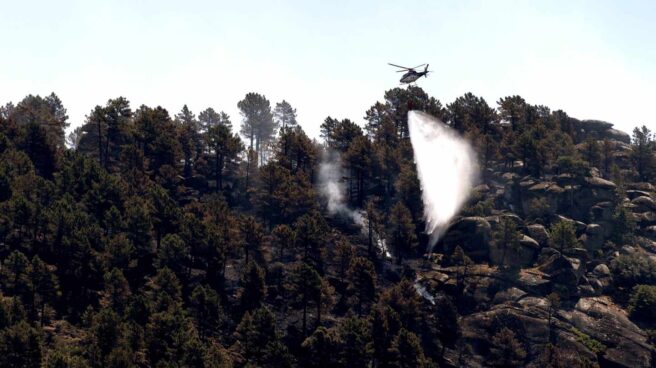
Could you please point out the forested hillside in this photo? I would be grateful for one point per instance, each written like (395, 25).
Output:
(150, 239)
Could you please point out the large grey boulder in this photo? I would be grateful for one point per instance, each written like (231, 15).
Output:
(472, 234)
(539, 233)
(522, 256)
(563, 270)
(644, 204)
(593, 239)
(602, 320)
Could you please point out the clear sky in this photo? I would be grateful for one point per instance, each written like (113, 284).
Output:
(593, 59)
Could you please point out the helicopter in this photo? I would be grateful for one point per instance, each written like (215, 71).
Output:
(411, 75)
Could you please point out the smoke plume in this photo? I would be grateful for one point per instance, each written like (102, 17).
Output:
(447, 169)
(331, 186)
(331, 189)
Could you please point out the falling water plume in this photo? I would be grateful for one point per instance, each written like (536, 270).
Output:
(447, 169)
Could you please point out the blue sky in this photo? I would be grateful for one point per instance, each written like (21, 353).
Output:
(593, 59)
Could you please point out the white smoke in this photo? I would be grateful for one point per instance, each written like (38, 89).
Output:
(331, 189)
(447, 169)
(330, 184)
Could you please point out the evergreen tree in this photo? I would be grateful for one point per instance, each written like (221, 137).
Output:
(407, 351)
(255, 332)
(21, 346)
(644, 148)
(506, 351)
(355, 336)
(563, 236)
(253, 288)
(284, 115)
(45, 287)
(258, 126)
(506, 237)
(207, 312)
(401, 231)
(209, 118)
(305, 286)
(319, 348)
(225, 147)
(362, 282)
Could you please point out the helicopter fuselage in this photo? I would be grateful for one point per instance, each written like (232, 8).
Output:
(411, 76)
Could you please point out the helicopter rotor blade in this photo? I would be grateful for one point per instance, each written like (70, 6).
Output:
(417, 66)
(399, 66)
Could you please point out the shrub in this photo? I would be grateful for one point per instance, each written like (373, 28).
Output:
(642, 304)
(633, 269)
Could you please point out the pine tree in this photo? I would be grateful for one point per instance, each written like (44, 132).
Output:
(401, 231)
(305, 286)
(284, 115)
(45, 287)
(407, 351)
(563, 236)
(506, 351)
(253, 287)
(258, 126)
(644, 148)
(362, 282)
(225, 147)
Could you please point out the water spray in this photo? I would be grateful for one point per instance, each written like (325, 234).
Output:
(447, 169)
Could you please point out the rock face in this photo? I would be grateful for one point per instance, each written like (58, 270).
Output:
(509, 286)
(601, 130)
(564, 271)
(539, 233)
(524, 256)
(644, 204)
(603, 321)
(472, 234)
(593, 238)
(595, 328)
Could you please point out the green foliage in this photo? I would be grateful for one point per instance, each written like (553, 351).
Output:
(563, 235)
(643, 302)
(539, 209)
(151, 239)
(506, 237)
(305, 286)
(21, 346)
(253, 288)
(320, 347)
(401, 231)
(362, 281)
(623, 225)
(644, 146)
(594, 345)
(633, 269)
(258, 126)
(574, 166)
(407, 351)
(506, 350)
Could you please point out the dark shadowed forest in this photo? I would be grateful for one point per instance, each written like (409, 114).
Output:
(145, 238)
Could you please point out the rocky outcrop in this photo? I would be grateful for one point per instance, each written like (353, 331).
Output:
(539, 233)
(473, 234)
(602, 320)
(600, 130)
(595, 328)
(564, 271)
(644, 204)
(593, 239)
(522, 256)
